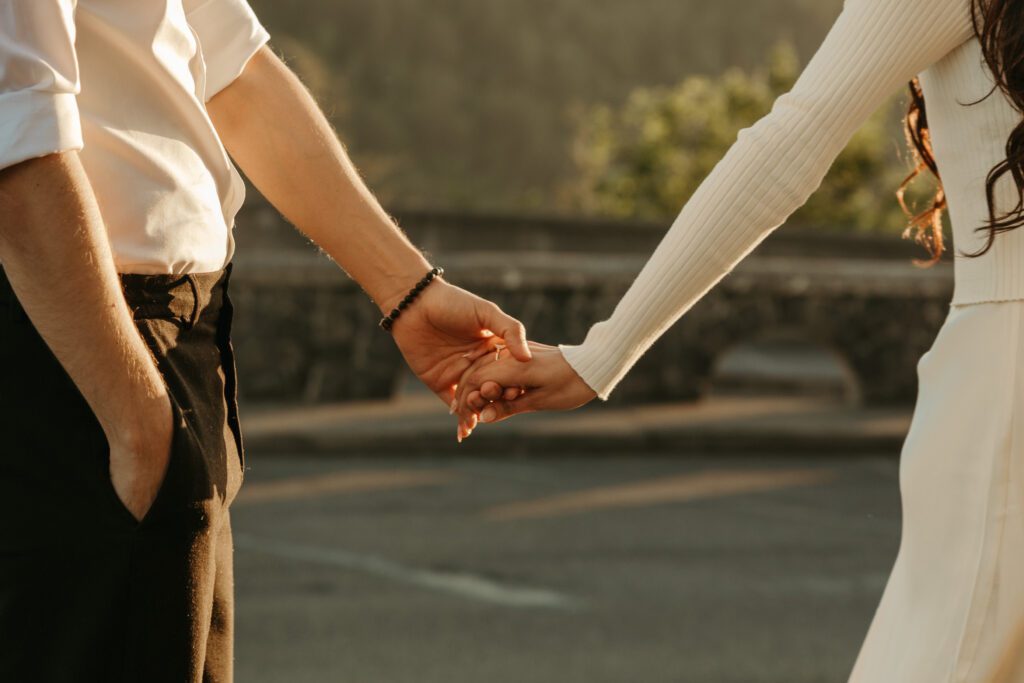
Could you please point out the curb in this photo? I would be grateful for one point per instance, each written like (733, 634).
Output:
(519, 444)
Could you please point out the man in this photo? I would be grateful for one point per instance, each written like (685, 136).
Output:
(121, 449)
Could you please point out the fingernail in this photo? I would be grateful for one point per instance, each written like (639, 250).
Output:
(488, 415)
(451, 408)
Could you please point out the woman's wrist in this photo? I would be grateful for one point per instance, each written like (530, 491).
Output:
(574, 358)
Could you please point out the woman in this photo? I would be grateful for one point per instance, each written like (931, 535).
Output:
(953, 607)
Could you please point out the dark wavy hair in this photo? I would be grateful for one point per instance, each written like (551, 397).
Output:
(999, 26)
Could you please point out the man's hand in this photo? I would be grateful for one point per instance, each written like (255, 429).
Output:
(276, 132)
(56, 254)
(138, 468)
(446, 328)
(496, 387)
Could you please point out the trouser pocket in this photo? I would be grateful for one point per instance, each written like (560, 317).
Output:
(225, 322)
(182, 439)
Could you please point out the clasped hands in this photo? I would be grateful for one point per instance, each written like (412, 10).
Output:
(476, 359)
(499, 385)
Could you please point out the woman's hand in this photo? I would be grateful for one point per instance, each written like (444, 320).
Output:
(498, 386)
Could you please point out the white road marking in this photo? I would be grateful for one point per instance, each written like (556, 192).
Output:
(464, 585)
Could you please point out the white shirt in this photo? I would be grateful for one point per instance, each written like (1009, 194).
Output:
(126, 82)
(873, 50)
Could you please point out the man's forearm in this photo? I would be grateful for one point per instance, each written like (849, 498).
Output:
(56, 254)
(275, 131)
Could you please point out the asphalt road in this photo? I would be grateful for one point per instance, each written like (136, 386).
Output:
(623, 569)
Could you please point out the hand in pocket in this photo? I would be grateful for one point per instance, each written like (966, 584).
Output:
(138, 461)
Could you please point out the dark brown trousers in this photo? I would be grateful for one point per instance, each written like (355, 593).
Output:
(87, 593)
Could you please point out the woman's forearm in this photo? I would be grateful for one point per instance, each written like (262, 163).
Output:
(771, 170)
(277, 134)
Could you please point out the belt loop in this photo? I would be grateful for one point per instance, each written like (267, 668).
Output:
(195, 300)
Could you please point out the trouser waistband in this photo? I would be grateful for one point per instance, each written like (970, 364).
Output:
(149, 296)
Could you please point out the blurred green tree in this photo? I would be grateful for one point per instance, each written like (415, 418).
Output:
(467, 104)
(645, 158)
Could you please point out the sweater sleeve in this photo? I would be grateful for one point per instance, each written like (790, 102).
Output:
(874, 48)
(38, 80)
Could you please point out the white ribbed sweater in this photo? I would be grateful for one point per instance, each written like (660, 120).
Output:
(874, 48)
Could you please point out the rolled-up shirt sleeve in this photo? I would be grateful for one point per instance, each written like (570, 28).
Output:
(39, 80)
(229, 35)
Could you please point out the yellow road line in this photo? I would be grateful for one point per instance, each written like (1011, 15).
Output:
(340, 482)
(684, 487)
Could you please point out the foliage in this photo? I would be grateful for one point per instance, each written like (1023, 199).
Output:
(648, 156)
(467, 104)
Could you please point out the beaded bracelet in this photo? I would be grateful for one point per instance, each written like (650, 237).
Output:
(389, 320)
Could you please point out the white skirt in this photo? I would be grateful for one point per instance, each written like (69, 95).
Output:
(953, 608)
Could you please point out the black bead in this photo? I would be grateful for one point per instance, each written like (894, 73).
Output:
(388, 321)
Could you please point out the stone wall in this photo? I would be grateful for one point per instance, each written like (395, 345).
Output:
(305, 333)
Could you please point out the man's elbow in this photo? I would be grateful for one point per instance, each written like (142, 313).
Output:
(26, 185)
(22, 176)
